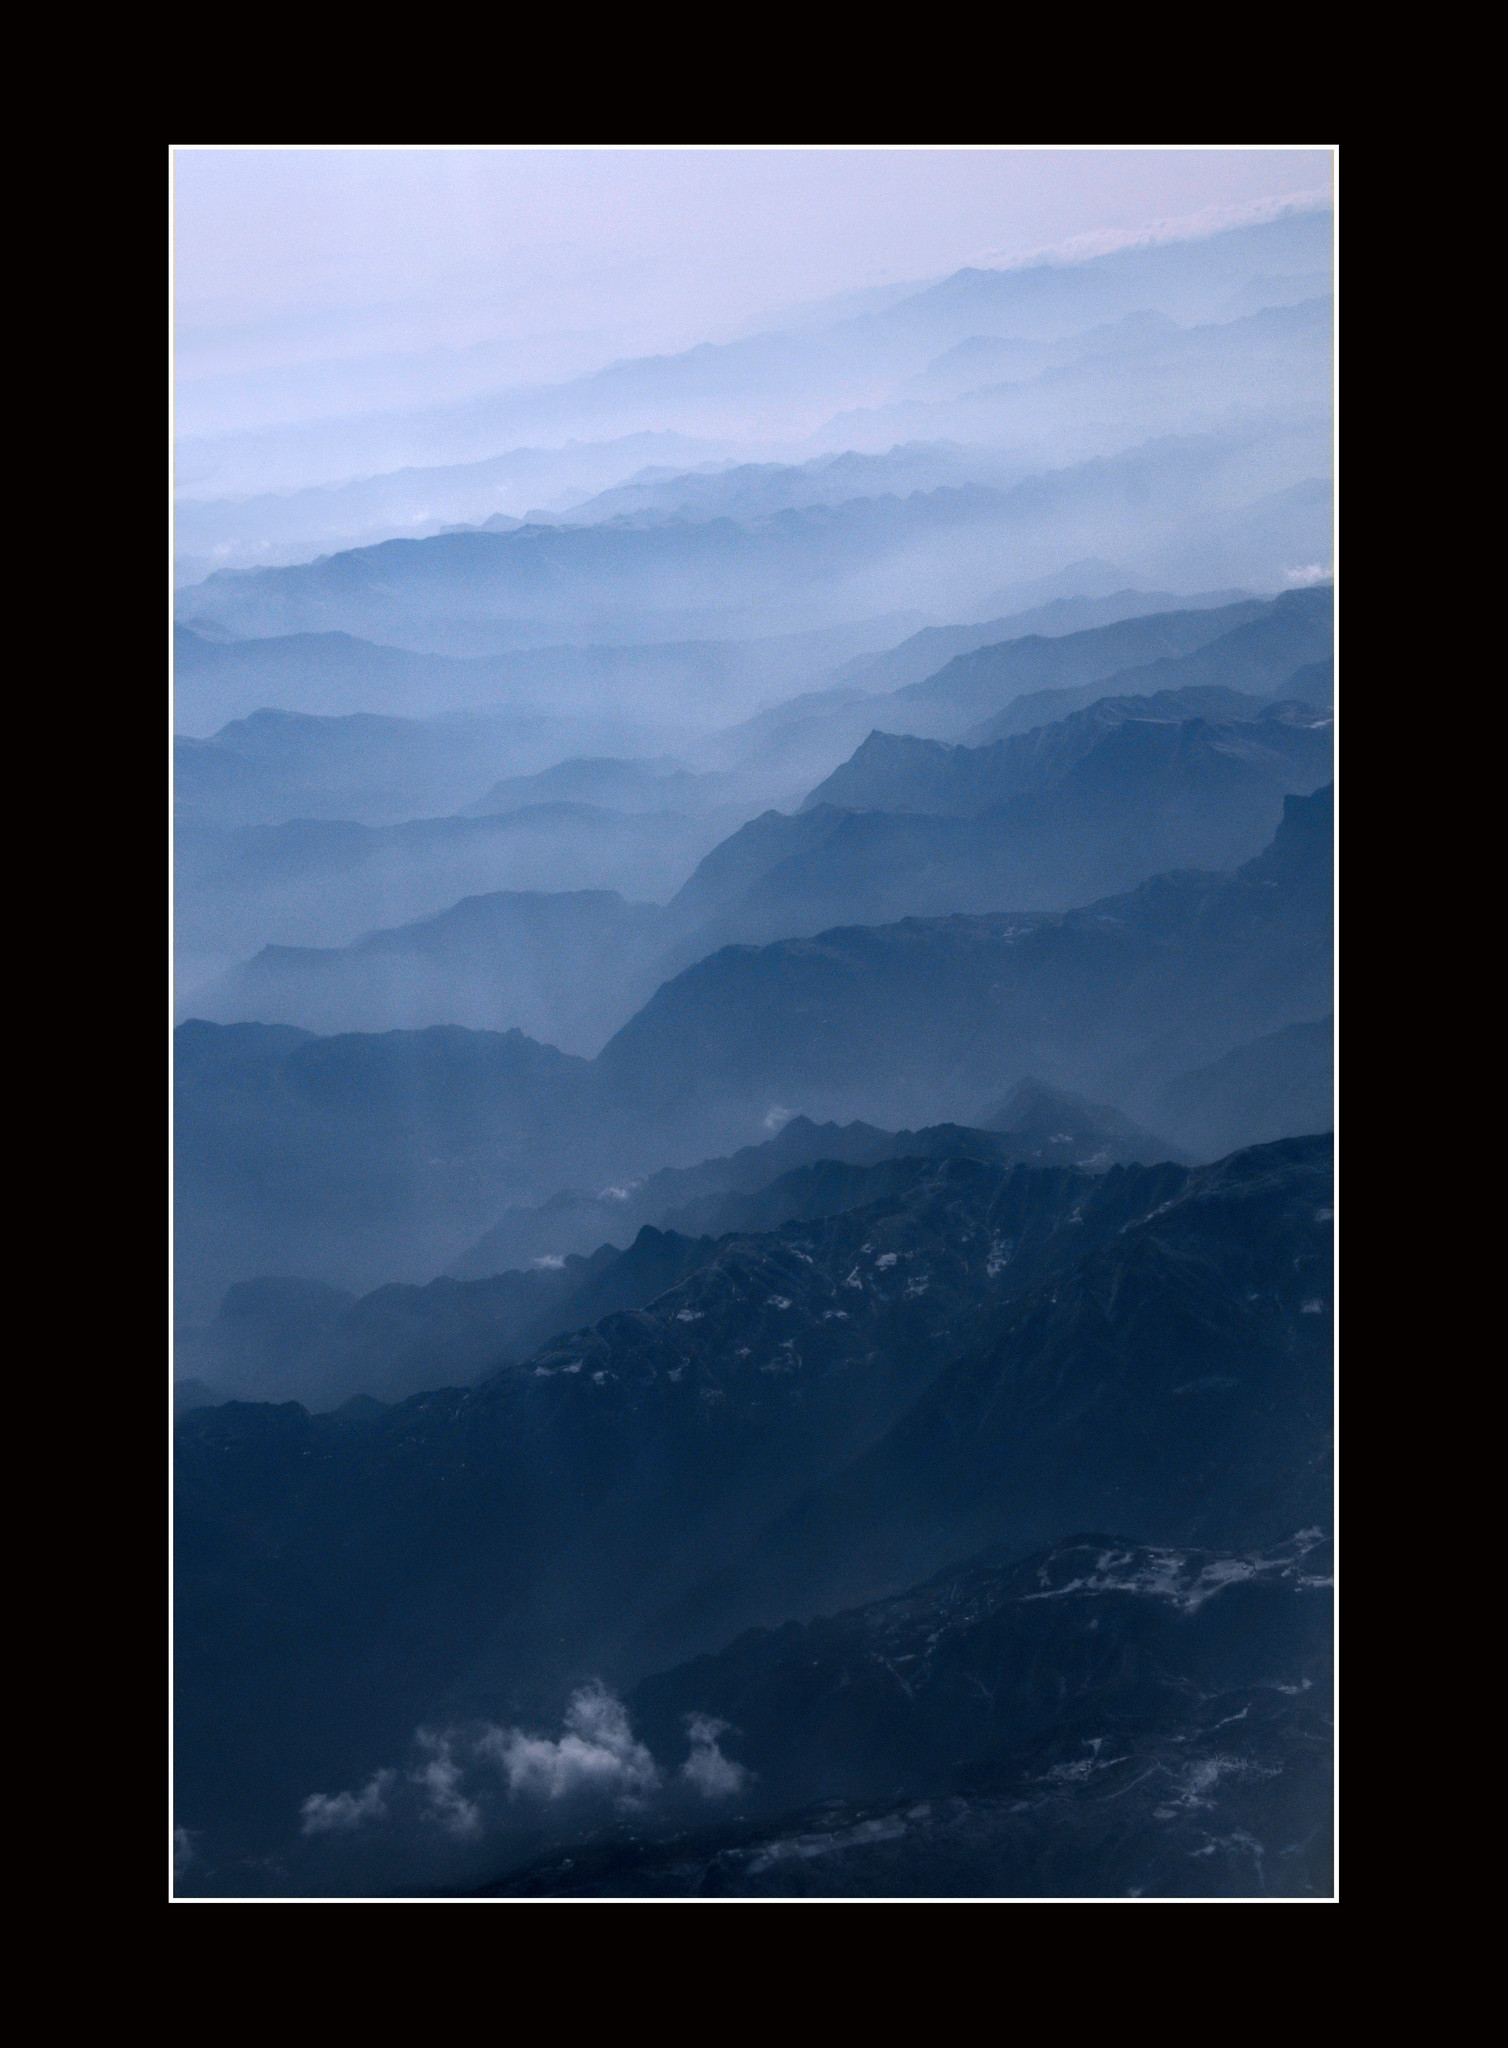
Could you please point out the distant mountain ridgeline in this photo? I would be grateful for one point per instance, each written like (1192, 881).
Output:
(280, 1339)
(1091, 803)
(986, 1355)
(362, 1159)
(1128, 793)
(1031, 1125)
(1003, 687)
(565, 966)
(908, 1019)
(521, 709)
(1113, 345)
(277, 765)
(1199, 510)
(539, 878)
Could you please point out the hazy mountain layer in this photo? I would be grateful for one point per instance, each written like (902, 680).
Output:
(1033, 680)
(787, 386)
(1099, 999)
(358, 1160)
(1181, 506)
(566, 967)
(316, 883)
(291, 526)
(1075, 810)
(1279, 1084)
(1259, 656)
(1091, 806)
(1148, 376)
(934, 778)
(661, 784)
(578, 699)
(925, 653)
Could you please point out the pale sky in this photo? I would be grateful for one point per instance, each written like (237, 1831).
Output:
(543, 263)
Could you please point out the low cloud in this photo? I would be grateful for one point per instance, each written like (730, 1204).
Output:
(341, 1813)
(1188, 227)
(707, 1770)
(469, 1781)
(440, 1778)
(597, 1754)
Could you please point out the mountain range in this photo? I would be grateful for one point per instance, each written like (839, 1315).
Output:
(360, 1159)
(1194, 506)
(754, 1091)
(1092, 802)
(288, 1339)
(827, 1413)
(800, 382)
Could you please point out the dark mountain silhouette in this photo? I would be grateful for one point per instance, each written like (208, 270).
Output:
(286, 1339)
(812, 1416)
(1104, 1719)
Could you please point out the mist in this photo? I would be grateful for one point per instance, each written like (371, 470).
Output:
(754, 764)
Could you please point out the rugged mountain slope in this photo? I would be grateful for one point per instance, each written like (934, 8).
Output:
(573, 1221)
(894, 772)
(1058, 673)
(1054, 1127)
(1197, 1342)
(987, 1356)
(1105, 1719)
(299, 1340)
(292, 1340)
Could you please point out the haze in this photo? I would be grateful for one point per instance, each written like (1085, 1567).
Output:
(754, 1050)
